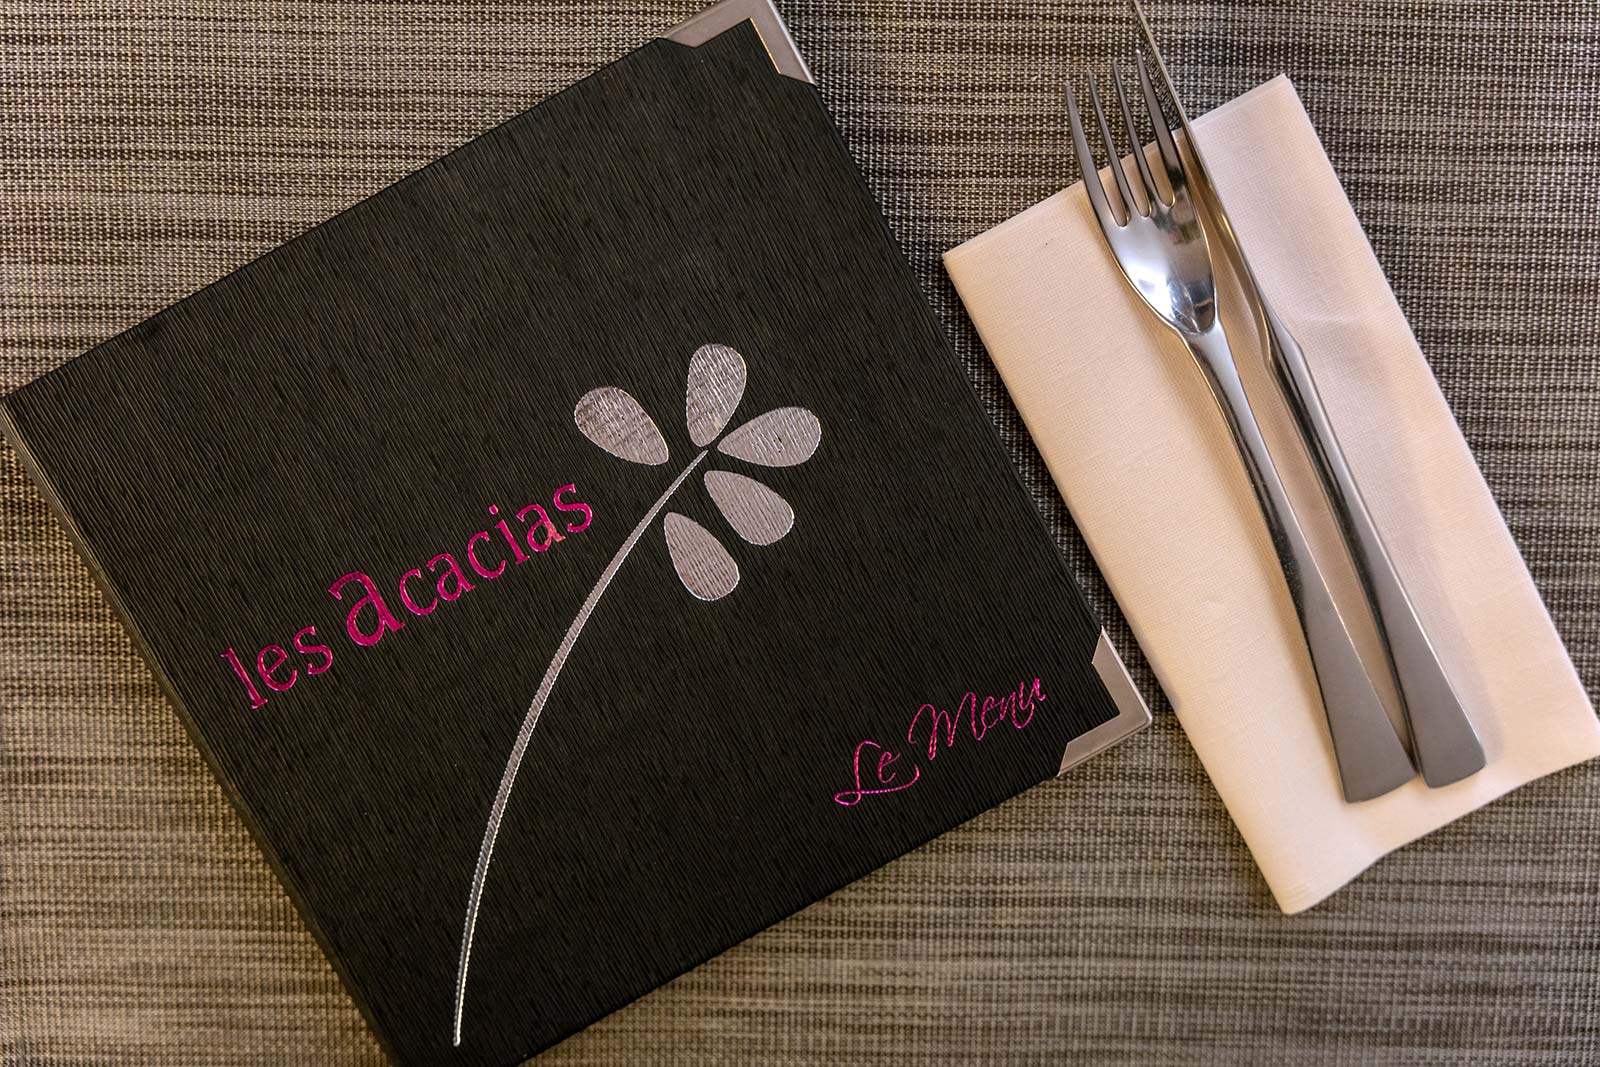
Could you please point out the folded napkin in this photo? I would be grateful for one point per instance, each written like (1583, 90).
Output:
(1139, 451)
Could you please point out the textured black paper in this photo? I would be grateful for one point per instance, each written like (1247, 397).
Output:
(358, 400)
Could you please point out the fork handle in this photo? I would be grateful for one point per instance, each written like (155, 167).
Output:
(1369, 754)
(1446, 745)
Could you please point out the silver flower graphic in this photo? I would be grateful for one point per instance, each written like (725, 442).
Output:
(614, 420)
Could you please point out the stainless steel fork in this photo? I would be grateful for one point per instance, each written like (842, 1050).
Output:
(1160, 246)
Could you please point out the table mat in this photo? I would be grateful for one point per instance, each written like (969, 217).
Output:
(150, 148)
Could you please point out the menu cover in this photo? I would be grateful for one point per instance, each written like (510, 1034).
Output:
(581, 554)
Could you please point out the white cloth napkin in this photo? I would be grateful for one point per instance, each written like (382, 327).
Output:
(1138, 449)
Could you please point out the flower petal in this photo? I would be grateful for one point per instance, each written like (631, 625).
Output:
(703, 565)
(755, 512)
(612, 419)
(716, 384)
(783, 437)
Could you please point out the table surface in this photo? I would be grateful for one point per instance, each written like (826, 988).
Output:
(1115, 916)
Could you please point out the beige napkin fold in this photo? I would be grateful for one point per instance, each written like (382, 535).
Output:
(1137, 448)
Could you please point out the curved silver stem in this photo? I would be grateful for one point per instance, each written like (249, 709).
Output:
(509, 777)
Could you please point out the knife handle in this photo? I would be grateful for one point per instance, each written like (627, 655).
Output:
(1446, 745)
(1369, 754)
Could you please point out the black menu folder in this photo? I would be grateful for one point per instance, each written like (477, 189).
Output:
(581, 554)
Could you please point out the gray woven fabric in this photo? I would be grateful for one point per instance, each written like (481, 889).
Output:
(149, 148)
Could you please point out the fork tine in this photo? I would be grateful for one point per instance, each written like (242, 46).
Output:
(1134, 139)
(1158, 117)
(1091, 173)
(1129, 206)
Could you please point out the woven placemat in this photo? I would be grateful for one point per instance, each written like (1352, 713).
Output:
(148, 148)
